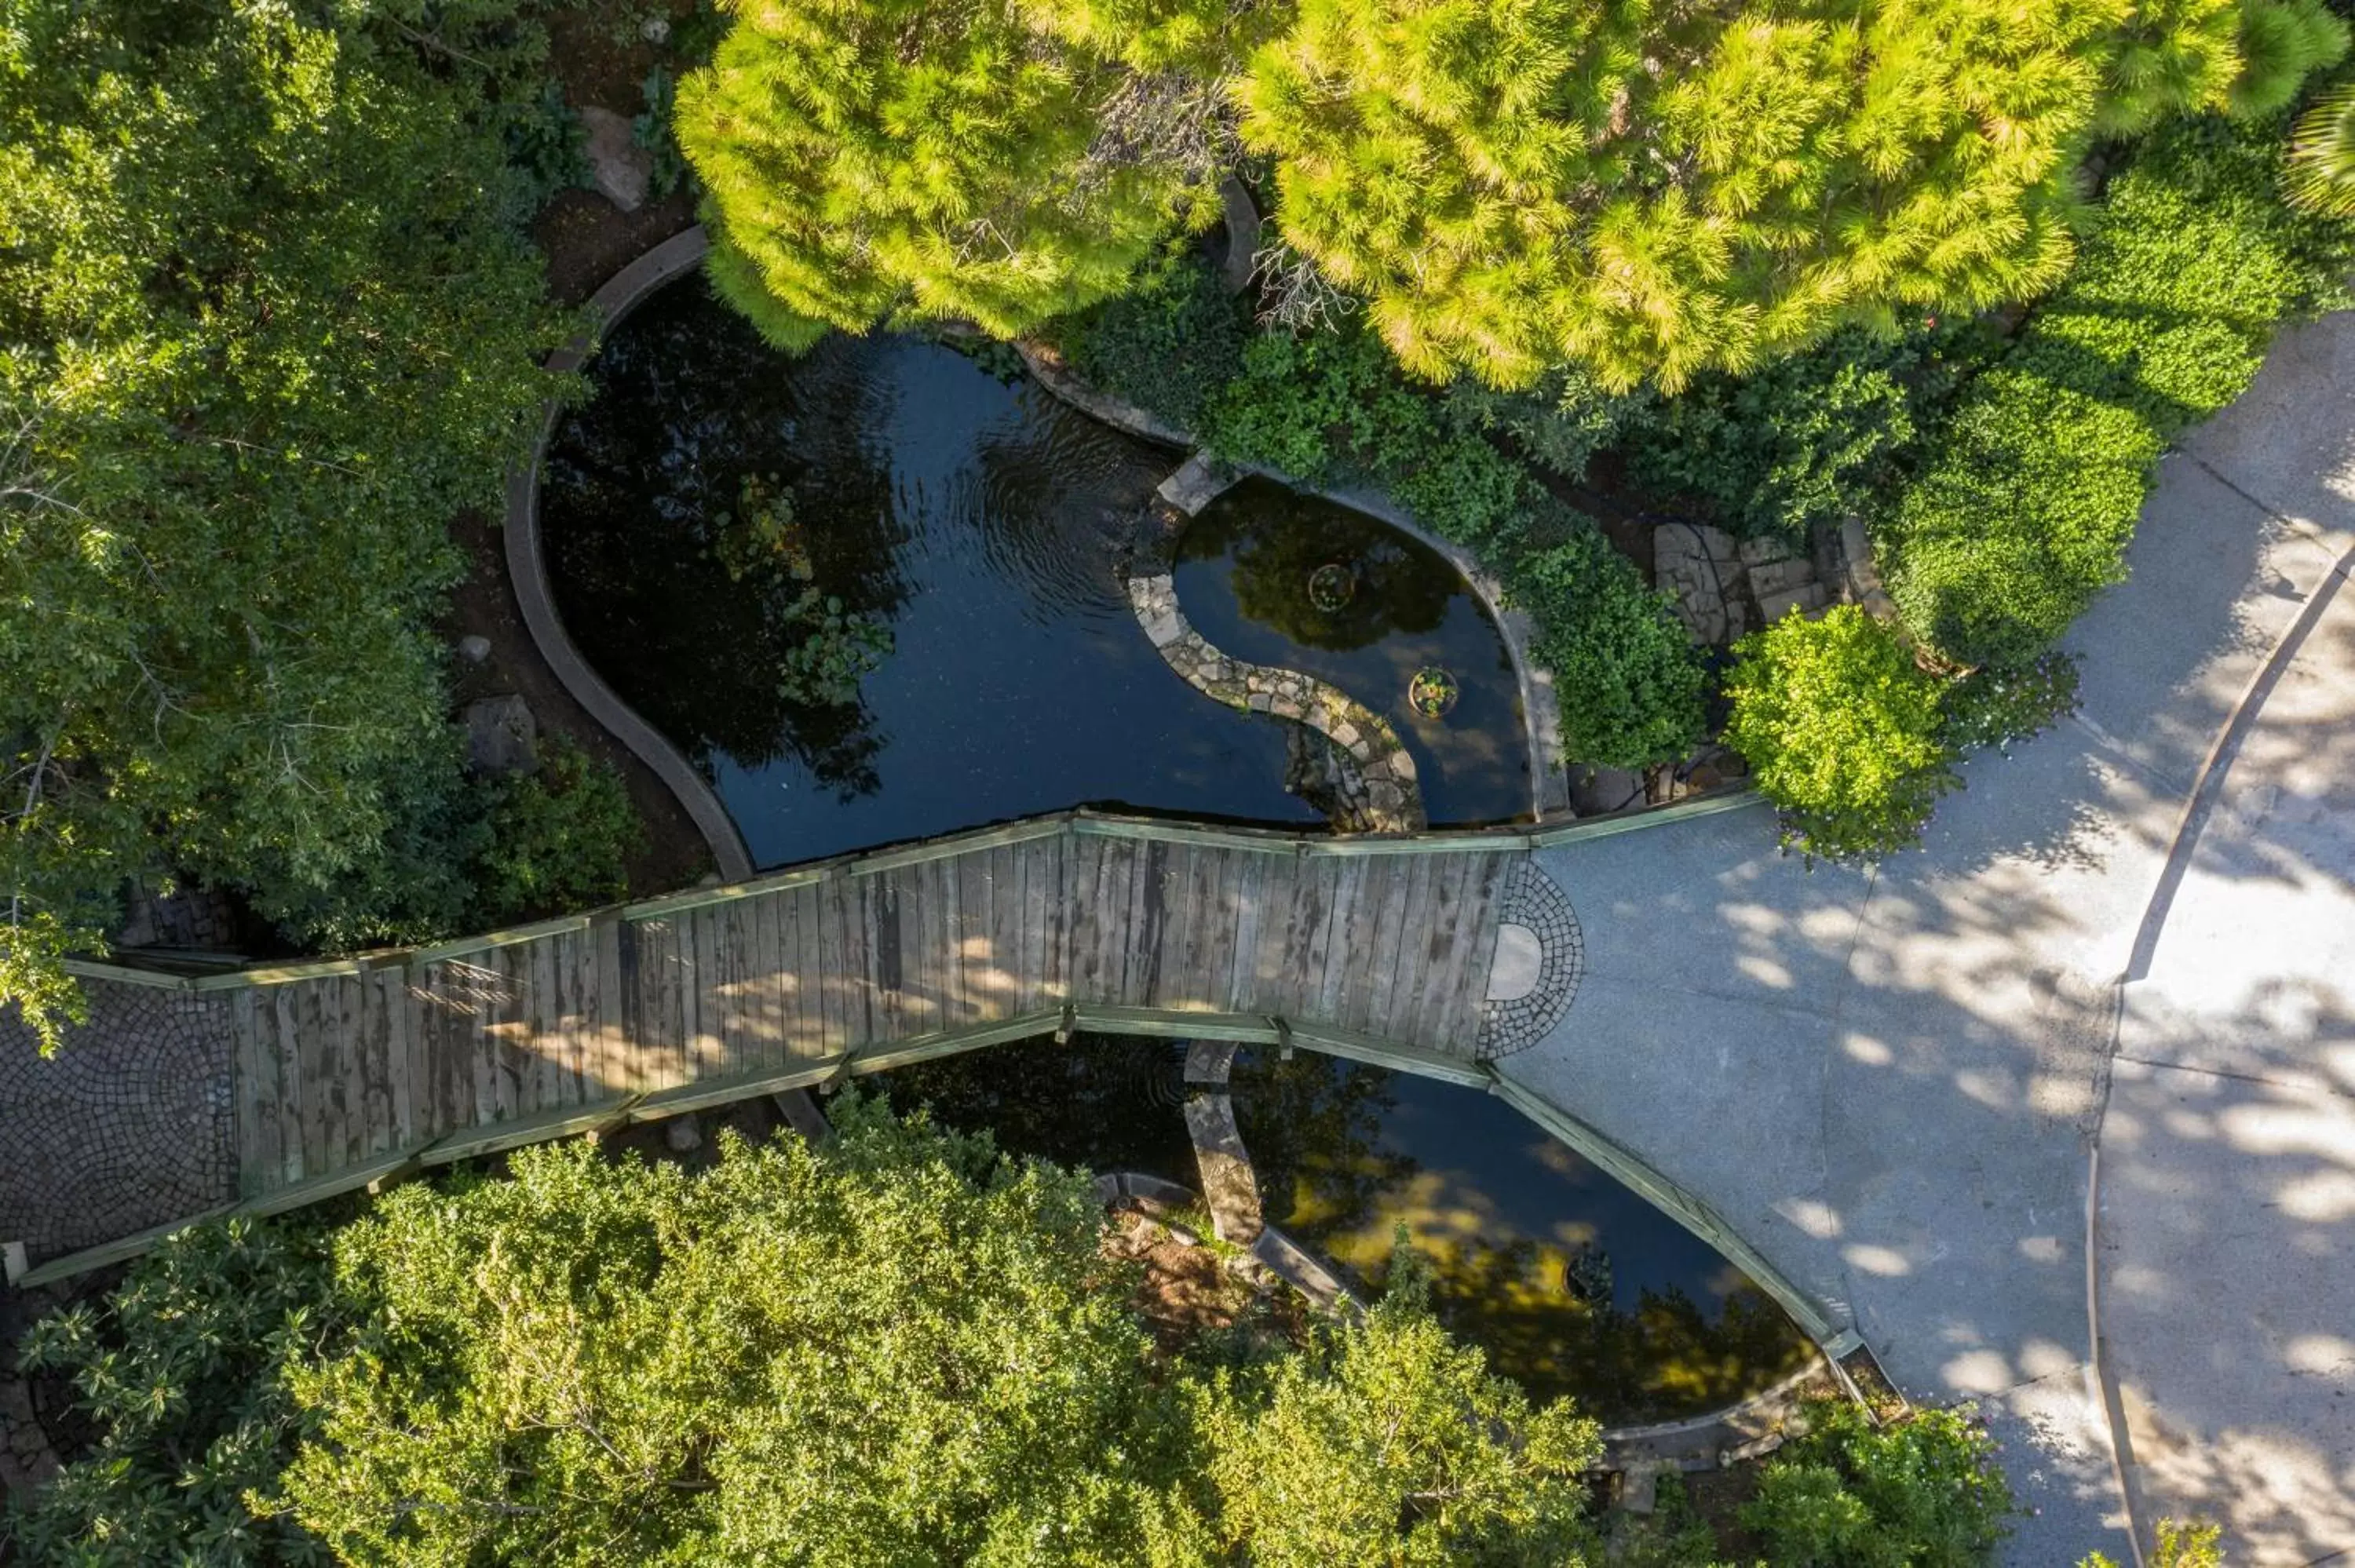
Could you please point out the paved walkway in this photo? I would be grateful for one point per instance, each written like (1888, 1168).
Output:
(1894, 1082)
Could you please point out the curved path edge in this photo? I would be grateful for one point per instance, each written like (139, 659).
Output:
(528, 568)
(1540, 712)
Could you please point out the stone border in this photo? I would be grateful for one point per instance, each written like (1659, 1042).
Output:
(527, 566)
(1540, 712)
(1535, 900)
(1391, 797)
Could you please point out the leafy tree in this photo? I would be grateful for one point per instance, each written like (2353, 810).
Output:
(1388, 1443)
(910, 160)
(1655, 192)
(264, 326)
(182, 1370)
(900, 1350)
(1923, 1493)
(1842, 731)
(558, 838)
(1627, 679)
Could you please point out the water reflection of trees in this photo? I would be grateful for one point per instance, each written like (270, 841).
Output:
(689, 404)
(1277, 538)
(1315, 1127)
(1105, 1102)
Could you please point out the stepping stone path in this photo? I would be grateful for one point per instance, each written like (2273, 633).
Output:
(1391, 799)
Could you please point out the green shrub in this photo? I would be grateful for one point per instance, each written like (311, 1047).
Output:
(1629, 681)
(1995, 707)
(1559, 424)
(2023, 510)
(558, 839)
(1842, 731)
(183, 1371)
(1923, 1493)
(1167, 345)
(1809, 438)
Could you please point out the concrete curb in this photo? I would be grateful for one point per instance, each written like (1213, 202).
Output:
(2198, 805)
(528, 568)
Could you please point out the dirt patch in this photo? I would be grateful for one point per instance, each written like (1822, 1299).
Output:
(586, 239)
(1718, 1495)
(675, 855)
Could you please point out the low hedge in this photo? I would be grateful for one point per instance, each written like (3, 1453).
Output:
(2026, 500)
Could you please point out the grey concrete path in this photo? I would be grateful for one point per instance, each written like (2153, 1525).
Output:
(1894, 1082)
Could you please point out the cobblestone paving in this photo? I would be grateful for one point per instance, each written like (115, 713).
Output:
(128, 1125)
(1533, 899)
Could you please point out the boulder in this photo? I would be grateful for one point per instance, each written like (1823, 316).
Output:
(502, 735)
(621, 168)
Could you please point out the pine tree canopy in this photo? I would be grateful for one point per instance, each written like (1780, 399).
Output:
(1518, 184)
(916, 159)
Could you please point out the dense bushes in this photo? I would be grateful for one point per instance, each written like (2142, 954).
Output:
(1167, 345)
(1842, 731)
(1630, 690)
(1808, 439)
(896, 1348)
(2026, 501)
(1923, 1493)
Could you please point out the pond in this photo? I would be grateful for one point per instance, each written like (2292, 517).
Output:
(1277, 577)
(1572, 1283)
(973, 520)
(872, 593)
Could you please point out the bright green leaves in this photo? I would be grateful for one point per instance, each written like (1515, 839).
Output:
(1842, 732)
(263, 331)
(872, 160)
(1521, 185)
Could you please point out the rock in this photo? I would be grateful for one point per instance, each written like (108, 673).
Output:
(1695, 564)
(1242, 221)
(501, 737)
(1765, 550)
(681, 1135)
(622, 169)
(1780, 577)
(1594, 791)
(1195, 483)
(1807, 598)
(474, 647)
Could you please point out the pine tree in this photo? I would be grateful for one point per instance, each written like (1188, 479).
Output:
(908, 159)
(1653, 191)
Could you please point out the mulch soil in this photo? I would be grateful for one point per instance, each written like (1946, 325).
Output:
(585, 240)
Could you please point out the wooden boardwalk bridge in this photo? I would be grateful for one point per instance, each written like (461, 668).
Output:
(1433, 952)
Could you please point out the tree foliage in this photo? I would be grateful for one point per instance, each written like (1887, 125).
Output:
(1653, 191)
(1390, 1443)
(901, 1351)
(909, 160)
(1842, 732)
(182, 1372)
(1925, 1492)
(264, 326)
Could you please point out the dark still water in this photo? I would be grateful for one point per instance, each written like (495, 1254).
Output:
(1574, 1283)
(970, 519)
(1386, 606)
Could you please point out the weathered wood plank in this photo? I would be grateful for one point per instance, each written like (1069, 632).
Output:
(802, 908)
(1374, 921)
(1246, 886)
(606, 1073)
(403, 1081)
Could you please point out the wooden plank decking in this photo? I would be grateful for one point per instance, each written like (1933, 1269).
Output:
(348, 1070)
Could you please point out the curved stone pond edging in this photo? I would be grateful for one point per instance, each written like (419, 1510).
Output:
(528, 568)
(1391, 799)
(1541, 714)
